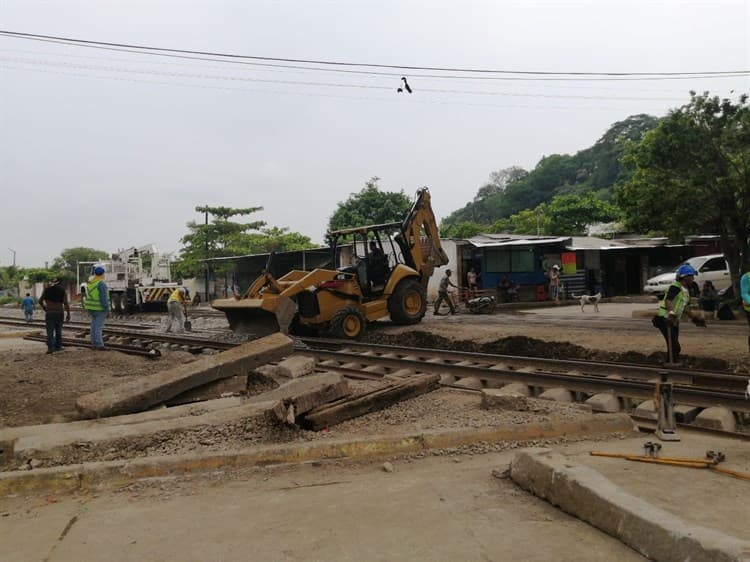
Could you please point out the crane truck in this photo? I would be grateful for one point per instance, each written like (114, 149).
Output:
(385, 273)
(138, 279)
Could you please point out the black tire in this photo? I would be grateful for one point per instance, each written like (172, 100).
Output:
(408, 303)
(347, 323)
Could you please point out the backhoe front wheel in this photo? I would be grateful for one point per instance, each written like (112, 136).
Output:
(347, 323)
(408, 302)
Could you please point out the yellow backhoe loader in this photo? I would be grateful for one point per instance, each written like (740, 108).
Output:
(388, 268)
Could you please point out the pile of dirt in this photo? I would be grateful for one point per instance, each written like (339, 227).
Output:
(532, 347)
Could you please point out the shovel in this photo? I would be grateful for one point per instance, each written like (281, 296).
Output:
(188, 324)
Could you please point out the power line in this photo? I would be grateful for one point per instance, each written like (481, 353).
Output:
(146, 48)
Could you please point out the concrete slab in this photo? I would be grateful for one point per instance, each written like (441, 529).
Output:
(140, 394)
(516, 388)
(586, 494)
(717, 418)
(646, 410)
(604, 402)
(474, 383)
(114, 474)
(296, 366)
(558, 395)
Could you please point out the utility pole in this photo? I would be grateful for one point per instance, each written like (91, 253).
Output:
(206, 251)
(14, 256)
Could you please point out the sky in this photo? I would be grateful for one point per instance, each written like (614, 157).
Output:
(111, 149)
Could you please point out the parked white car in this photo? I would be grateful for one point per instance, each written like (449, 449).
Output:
(712, 268)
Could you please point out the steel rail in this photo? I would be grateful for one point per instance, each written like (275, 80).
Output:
(587, 384)
(72, 324)
(630, 370)
(130, 350)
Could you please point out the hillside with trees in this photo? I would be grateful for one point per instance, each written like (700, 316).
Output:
(514, 200)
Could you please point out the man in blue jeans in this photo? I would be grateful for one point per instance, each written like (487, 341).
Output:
(27, 304)
(54, 301)
(97, 305)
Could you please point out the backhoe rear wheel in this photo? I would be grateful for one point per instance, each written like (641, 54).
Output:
(347, 323)
(408, 302)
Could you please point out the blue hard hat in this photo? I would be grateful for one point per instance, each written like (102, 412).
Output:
(685, 270)
(98, 270)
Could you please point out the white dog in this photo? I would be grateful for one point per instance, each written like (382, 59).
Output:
(591, 299)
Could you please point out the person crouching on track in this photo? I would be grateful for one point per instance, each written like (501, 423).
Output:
(443, 293)
(177, 308)
(96, 304)
(675, 302)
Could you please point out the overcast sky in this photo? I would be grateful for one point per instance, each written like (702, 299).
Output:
(110, 149)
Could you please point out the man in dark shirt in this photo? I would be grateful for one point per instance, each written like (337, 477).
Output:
(54, 301)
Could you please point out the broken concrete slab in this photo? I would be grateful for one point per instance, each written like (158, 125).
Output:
(48, 445)
(586, 494)
(223, 388)
(326, 416)
(299, 396)
(494, 399)
(296, 366)
(140, 394)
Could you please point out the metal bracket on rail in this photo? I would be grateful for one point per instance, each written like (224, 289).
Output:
(666, 425)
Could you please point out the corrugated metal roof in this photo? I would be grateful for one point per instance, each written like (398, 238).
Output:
(594, 243)
(503, 239)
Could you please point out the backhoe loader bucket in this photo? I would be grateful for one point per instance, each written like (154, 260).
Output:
(260, 317)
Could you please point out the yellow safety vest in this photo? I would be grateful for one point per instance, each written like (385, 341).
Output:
(678, 304)
(177, 296)
(92, 301)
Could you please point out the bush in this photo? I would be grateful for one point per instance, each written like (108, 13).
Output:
(9, 300)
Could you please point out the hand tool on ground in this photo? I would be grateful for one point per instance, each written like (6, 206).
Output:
(188, 324)
(652, 449)
(714, 458)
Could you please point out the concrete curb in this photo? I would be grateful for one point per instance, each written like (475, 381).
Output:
(653, 532)
(116, 474)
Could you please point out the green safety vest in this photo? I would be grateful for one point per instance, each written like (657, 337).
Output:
(678, 304)
(745, 306)
(92, 301)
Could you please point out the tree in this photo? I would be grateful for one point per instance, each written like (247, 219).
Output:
(692, 174)
(463, 229)
(276, 239)
(572, 214)
(499, 181)
(68, 259)
(215, 238)
(370, 206)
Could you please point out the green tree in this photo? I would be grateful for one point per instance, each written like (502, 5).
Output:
(370, 206)
(463, 229)
(69, 258)
(691, 174)
(276, 239)
(572, 214)
(499, 181)
(215, 238)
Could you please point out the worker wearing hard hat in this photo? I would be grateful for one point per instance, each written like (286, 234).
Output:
(177, 308)
(96, 304)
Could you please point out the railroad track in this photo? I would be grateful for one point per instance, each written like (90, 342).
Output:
(629, 382)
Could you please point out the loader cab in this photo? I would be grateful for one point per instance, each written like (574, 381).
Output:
(370, 253)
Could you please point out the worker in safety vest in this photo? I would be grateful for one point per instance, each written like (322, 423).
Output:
(745, 292)
(674, 304)
(96, 303)
(177, 308)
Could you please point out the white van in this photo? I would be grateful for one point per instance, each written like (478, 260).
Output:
(712, 268)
